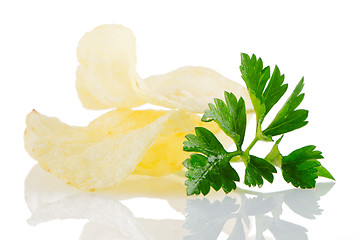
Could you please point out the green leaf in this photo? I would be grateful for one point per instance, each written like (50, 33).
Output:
(205, 172)
(323, 172)
(274, 156)
(257, 169)
(209, 166)
(264, 91)
(230, 116)
(204, 142)
(211, 169)
(275, 90)
(288, 118)
(301, 167)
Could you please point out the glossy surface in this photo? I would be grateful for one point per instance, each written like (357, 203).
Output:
(120, 213)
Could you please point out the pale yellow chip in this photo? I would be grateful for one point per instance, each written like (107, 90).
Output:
(189, 89)
(85, 157)
(107, 77)
(120, 142)
(166, 155)
(107, 68)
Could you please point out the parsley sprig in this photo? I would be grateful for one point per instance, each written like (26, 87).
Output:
(209, 165)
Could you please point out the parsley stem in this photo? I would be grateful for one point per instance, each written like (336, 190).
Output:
(251, 145)
(240, 156)
(235, 156)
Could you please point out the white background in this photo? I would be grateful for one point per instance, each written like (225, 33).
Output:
(320, 40)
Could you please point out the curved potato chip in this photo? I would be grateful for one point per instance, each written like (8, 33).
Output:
(86, 158)
(103, 154)
(107, 68)
(189, 89)
(107, 77)
(165, 156)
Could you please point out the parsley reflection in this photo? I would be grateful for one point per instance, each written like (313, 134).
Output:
(240, 215)
(235, 214)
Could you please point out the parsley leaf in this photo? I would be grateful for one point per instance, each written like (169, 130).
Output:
(231, 117)
(289, 119)
(204, 142)
(255, 77)
(323, 172)
(204, 172)
(256, 170)
(274, 156)
(300, 167)
(212, 169)
(209, 166)
(263, 96)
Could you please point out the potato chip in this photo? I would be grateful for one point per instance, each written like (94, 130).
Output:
(107, 68)
(107, 77)
(189, 89)
(123, 141)
(166, 155)
(103, 154)
(87, 158)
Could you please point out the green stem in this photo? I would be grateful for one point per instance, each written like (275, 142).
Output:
(240, 156)
(237, 158)
(233, 155)
(251, 145)
(244, 157)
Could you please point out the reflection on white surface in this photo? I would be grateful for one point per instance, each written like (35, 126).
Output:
(240, 215)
